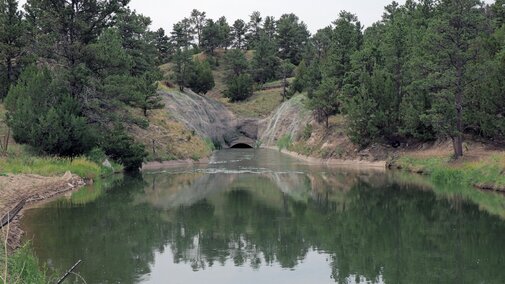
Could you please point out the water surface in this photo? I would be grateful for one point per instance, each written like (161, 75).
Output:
(257, 216)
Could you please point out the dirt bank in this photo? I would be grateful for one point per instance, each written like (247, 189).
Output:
(153, 166)
(31, 188)
(364, 164)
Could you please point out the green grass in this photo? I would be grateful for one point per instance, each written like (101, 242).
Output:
(278, 84)
(52, 166)
(490, 171)
(22, 267)
(261, 104)
(284, 142)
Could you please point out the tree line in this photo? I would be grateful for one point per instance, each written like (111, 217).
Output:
(428, 69)
(73, 74)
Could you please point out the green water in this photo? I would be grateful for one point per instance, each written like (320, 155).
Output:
(255, 216)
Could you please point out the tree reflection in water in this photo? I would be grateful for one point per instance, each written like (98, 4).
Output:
(374, 226)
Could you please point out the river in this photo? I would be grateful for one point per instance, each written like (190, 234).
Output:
(258, 216)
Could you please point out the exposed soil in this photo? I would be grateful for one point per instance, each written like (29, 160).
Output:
(346, 163)
(152, 166)
(32, 189)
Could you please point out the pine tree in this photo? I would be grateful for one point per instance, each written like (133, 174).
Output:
(211, 37)
(254, 29)
(451, 36)
(225, 35)
(286, 70)
(163, 45)
(45, 116)
(238, 34)
(292, 35)
(198, 21)
(12, 42)
(265, 62)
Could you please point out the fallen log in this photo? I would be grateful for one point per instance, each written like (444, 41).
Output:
(12, 214)
(69, 271)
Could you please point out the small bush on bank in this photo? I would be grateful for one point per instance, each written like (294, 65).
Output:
(285, 142)
(22, 267)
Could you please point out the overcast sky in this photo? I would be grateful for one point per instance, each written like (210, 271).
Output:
(316, 14)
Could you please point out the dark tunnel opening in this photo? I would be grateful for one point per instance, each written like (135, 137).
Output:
(241, 146)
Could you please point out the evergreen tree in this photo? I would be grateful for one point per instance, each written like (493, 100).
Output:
(183, 66)
(451, 36)
(270, 28)
(225, 34)
(265, 63)
(12, 43)
(99, 50)
(147, 97)
(182, 34)
(286, 70)
(163, 45)
(239, 88)
(236, 63)
(254, 29)
(238, 34)
(198, 21)
(44, 115)
(211, 37)
(292, 35)
(201, 79)
(137, 41)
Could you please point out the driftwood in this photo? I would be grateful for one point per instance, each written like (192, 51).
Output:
(69, 271)
(12, 214)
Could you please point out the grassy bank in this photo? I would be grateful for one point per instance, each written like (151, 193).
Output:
(485, 173)
(22, 267)
(49, 166)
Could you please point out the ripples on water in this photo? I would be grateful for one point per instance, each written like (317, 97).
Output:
(256, 216)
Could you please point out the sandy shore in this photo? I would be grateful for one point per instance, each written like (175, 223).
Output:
(31, 188)
(358, 164)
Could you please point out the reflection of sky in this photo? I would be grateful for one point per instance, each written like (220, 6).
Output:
(315, 268)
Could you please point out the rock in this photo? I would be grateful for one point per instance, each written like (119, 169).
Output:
(67, 175)
(107, 164)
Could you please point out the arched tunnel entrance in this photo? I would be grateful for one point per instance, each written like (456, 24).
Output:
(241, 146)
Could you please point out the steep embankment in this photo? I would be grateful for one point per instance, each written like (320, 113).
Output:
(288, 119)
(205, 116)
(292, 127)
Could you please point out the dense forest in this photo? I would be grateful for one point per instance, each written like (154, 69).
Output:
(76, 74)
(429, 69)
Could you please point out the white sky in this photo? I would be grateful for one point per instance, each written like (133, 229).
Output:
(316, 14)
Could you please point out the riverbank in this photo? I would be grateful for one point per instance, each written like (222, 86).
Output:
(482, 167)
(153, 166)
(485, 171)
(30, 189)
(361, 164)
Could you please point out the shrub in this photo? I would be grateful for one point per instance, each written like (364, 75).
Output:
(22, 267)
(43, 115)
(201, 79)
(123, 149)
(285, 142)
(97, 155)
(307, 131)
(239, 88)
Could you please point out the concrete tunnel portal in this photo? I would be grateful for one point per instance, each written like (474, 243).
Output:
(241, 146)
